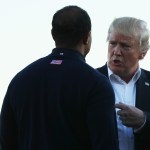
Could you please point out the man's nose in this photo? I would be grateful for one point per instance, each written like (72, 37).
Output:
(117, 50)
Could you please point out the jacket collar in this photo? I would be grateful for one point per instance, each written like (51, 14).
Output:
(66, 52)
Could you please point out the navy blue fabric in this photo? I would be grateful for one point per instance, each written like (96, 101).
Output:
(58, 103)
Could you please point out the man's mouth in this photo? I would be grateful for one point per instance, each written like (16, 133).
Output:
(116, 62)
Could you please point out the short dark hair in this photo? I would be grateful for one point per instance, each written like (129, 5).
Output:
(69, 25)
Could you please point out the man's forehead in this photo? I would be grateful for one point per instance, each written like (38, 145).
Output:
(122, 38)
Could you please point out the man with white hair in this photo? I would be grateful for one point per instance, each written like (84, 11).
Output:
(128, 43)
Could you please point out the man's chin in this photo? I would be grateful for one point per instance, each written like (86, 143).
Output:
(115, 66)
(116, 69)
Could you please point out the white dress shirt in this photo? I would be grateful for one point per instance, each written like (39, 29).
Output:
(125, 93)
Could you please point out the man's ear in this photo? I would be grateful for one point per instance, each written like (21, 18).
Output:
(142, 55)
(52, 33)
(86, 38)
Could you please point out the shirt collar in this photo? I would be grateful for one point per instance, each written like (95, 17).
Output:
(134, 78)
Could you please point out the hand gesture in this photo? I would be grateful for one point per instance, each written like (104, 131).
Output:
(130, 116)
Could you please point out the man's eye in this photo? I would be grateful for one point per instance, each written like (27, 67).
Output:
(126, 47)
(112, 44)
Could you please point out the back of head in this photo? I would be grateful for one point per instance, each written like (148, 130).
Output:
(69, 25)
(131, 27)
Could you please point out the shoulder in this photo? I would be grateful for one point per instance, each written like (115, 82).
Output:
(101, 87)
(100, 78)
(103, 70)
(29, 73)
(97, 72)
(145, 73)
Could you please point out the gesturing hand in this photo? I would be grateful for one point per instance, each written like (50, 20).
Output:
(130, 115)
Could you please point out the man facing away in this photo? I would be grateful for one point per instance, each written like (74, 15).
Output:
(128, 43)
(59, 102)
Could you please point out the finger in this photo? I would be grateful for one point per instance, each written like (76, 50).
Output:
(122, 118)
(122, 113)
(125, 122)
(119, 112)
(121, 106)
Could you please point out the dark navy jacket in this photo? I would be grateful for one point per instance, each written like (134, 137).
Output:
(142, 138)
(58, 103)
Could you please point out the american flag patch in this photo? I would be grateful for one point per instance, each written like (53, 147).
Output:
(56, 62)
